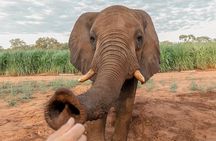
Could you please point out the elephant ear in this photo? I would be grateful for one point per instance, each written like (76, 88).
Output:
(79, 43)
(150, 52)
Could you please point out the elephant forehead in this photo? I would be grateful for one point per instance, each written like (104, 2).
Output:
(116, 20)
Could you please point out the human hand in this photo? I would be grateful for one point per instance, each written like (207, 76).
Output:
(69, 132)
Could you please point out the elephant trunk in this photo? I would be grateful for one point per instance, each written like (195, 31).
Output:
(96, 102)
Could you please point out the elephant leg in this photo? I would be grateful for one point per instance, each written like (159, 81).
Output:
(124, 110)
(96, 129)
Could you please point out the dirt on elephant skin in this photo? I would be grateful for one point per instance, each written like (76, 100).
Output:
(168, 108)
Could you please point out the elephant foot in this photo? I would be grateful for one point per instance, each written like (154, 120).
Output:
(96, 129)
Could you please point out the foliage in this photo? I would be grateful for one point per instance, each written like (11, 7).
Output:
(173, 87)
(15, 93)
(17, 43)
(64, 45)
(174, 57)
(42, 42)
(192, 38)
(46, 42)
(149, 85)
(188, 56)
(187, 38)
(203, 39)
(35, 61)
(194, 86)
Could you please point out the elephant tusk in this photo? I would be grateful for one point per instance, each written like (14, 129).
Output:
(87, 76)
(139, 76)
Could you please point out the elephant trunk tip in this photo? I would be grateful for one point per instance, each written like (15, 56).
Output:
(63, 105)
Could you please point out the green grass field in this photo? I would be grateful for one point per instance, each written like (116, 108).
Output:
(188, 56)
(174, 57)
(35, 61)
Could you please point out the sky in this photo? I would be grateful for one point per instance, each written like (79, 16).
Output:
(31, 19)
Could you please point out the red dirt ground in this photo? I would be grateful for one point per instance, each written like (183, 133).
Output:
(171, 108)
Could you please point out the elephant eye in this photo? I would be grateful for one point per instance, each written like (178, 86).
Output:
(139, 41)
(139, 38)
(93, 40)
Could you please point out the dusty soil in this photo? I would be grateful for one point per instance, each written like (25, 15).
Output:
(178, 106)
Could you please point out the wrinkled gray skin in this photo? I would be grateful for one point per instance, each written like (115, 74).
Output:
(114, 43)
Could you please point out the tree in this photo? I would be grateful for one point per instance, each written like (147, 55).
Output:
(203, 39)
(183, 38)
(17, 43)
(64, 45)
(166, 42)
(187, 38)
(191, 38)
(46, 42)
(1, 47)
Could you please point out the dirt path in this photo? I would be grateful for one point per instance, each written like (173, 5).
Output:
(170, 107)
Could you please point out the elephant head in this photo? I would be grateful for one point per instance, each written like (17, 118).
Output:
(109, 47)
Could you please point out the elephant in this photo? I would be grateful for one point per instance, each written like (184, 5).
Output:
(115, 48)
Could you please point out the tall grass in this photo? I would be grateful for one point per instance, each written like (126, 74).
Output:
(35, 61)
(187, 56)
(174, 57)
